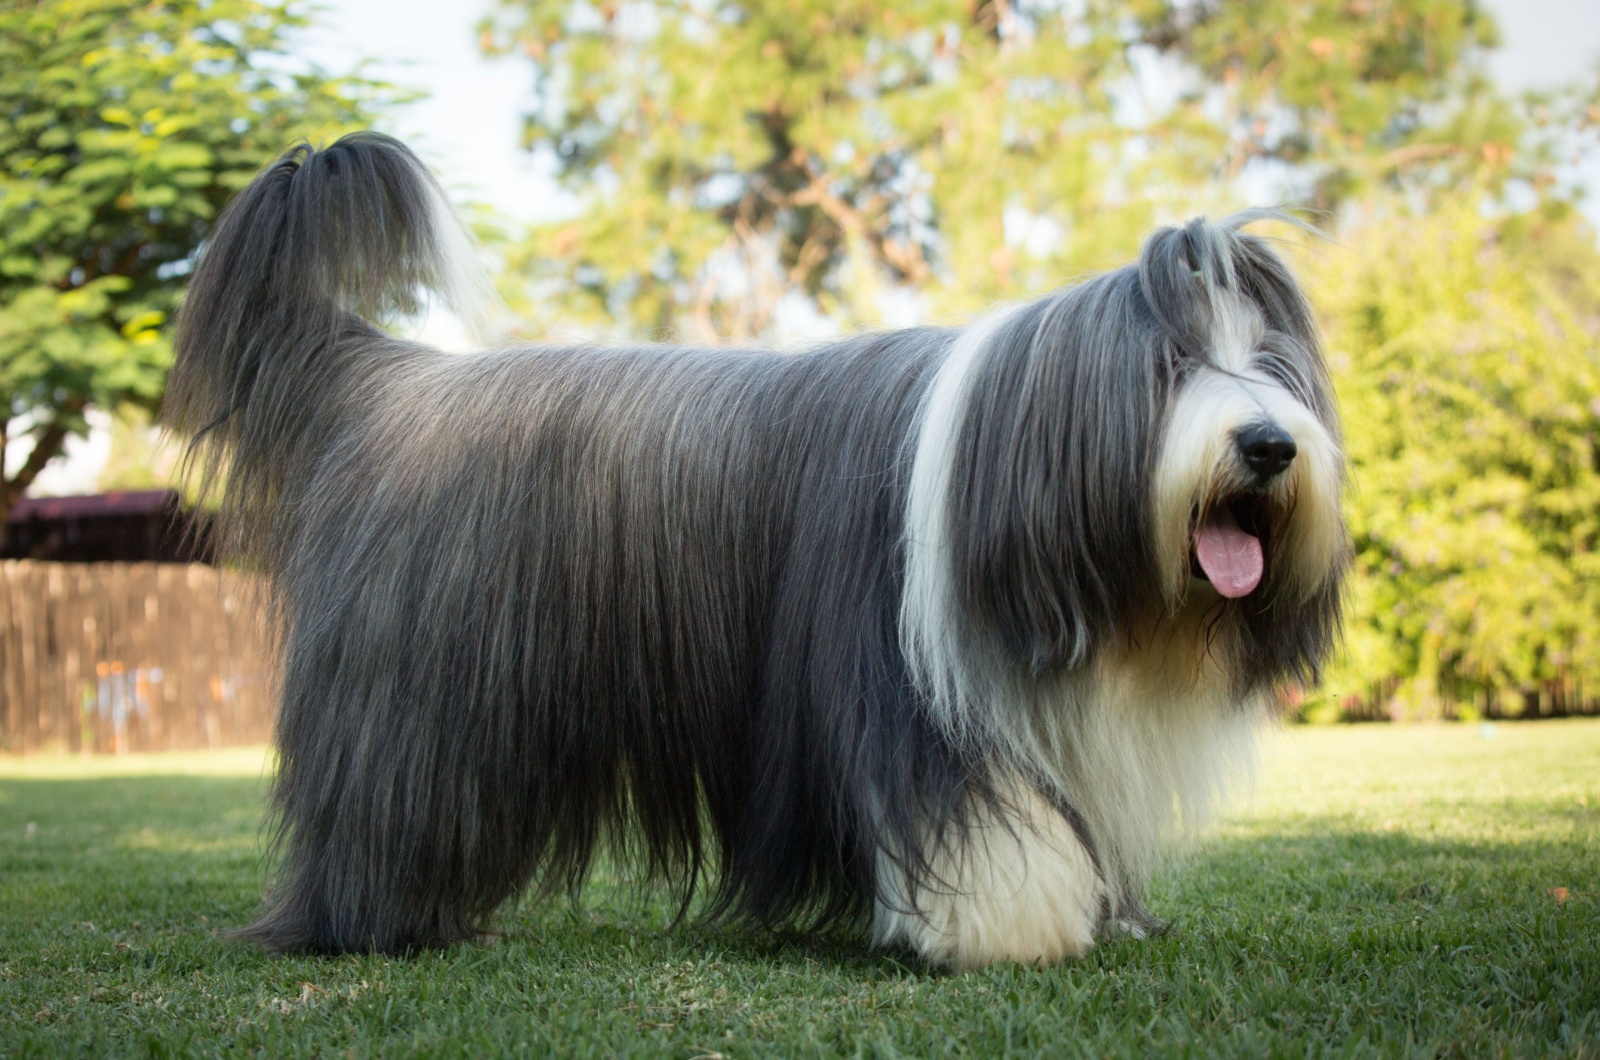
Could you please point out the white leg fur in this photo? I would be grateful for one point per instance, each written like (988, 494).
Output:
(1147, 747)
(1023, 889)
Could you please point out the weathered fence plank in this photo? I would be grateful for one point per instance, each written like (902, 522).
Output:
(116, 657)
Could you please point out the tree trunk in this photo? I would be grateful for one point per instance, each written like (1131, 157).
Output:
(47, 445)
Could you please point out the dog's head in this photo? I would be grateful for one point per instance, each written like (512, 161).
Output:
(1158, 441)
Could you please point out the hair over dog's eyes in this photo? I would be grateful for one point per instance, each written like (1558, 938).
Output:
(1175, 358)
(1282, 360)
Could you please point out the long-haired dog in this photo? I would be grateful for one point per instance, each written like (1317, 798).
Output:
(945, 627)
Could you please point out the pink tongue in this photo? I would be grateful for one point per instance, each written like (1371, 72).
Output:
(1230, 557)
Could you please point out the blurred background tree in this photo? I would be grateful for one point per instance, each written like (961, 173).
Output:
(733, 159)
(1464, 347)
(1335, 98)
(124, 127)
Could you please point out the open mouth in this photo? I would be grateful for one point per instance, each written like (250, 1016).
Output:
(1227, 546)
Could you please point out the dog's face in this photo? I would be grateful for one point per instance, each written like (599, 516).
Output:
(1157, 442)
(1246, 483)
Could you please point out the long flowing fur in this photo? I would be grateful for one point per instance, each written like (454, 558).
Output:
(894, 627)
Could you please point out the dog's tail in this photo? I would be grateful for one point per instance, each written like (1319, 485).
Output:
(278, 314)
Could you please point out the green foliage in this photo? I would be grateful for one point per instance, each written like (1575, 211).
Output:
(141, 455)
(1386, 893)
(1465, 353)
(729, 156)
(124, 127)
(1352, 93)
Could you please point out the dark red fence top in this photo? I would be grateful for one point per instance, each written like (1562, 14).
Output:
(127, 526)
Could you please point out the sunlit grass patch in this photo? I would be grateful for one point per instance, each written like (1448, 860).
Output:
(227, 762)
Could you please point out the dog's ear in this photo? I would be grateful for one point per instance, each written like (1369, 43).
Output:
(1049, 491)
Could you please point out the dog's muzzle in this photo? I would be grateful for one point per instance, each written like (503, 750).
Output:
(1266, 449)
(1227, 546)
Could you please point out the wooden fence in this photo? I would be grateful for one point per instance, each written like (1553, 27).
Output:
(115, 657)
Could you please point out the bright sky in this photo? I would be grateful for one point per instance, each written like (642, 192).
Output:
(469, 126)
(1545, 42)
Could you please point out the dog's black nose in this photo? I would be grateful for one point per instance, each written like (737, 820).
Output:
(1266, 448)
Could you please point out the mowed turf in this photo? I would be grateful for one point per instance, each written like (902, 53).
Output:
(1386, 891)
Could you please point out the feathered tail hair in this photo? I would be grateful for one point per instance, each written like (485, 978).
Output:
(319, 245)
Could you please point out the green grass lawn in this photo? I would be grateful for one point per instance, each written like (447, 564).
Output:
(1387, 890)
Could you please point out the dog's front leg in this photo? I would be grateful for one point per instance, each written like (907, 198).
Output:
(1018, 885)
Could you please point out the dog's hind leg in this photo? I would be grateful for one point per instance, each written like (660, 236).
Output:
(378, 855)
(405, 818)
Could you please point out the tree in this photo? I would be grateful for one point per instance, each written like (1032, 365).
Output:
(732, 158)
(1465, 352)
(1339, 96)
(124, 127)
